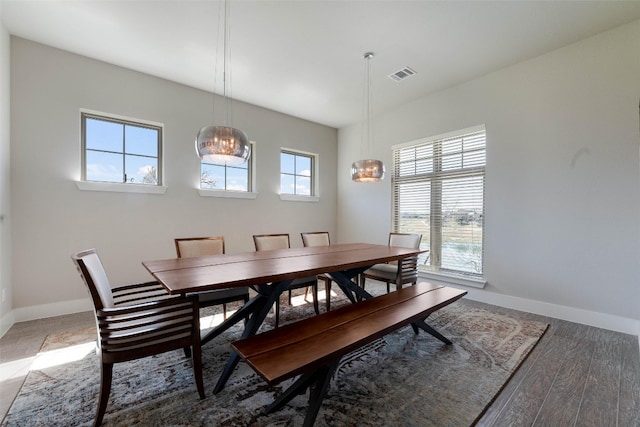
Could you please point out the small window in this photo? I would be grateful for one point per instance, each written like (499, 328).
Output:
(233, 177)
(120, 150)
(297, 174)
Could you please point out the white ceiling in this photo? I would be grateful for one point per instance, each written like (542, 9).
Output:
(304, 57)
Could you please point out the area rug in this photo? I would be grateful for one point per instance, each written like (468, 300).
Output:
(401, 380)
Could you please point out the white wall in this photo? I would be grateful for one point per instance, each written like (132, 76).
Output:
(52, 218)
(563, 175)
(6, 315)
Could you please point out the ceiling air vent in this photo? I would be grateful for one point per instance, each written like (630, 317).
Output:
(402, 74)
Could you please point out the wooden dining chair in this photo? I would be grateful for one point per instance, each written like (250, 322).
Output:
(398, 273)
(319, 238)
(203, 246)
(266, 242)
(136, 321)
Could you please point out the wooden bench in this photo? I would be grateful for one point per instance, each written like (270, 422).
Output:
(313, 347)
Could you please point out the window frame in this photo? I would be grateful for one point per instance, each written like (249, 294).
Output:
(433, 172)
(128, 187)
(313, 177)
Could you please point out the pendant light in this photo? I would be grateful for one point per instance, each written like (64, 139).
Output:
(223, 144)
(367, 170)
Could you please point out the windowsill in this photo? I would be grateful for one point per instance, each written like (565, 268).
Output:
(229, 194)
(120, 188)
(297, 198)
(453, 279)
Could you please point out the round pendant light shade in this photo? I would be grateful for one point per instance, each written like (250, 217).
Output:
(368, 170)
(223, 145)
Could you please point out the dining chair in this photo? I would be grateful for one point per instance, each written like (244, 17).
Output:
(136, 321)
(202, 246)
(319, 238)
(267, 242)
(398, 273)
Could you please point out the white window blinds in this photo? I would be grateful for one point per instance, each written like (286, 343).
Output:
(438, 190)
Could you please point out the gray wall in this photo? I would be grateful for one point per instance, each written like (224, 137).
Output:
(52, 218)
(562, 234)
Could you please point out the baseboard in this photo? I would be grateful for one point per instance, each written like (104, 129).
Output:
(571, 314)
(6, 322)
(42, 311)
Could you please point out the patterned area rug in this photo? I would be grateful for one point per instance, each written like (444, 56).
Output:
(401, 380)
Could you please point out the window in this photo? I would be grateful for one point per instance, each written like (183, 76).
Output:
(235, 177)
(119, 150)
(297, 172)
(438, 190)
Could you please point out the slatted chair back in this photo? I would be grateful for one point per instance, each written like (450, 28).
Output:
(136, 321)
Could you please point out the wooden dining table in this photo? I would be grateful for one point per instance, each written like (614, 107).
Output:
(269, 274)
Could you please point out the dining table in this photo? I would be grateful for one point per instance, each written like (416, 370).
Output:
(269, 274)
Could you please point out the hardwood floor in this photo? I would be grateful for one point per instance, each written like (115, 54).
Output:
(576, 376)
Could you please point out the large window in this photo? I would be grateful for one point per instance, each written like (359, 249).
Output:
(297, 173)
(120, 150)
(438, 190)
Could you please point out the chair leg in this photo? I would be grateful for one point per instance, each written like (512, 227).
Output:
(197, 368)
(328, 290)
(315, 297)
(388, 287)
(361, 280)
(277, 312)
(105, 389)
(224, 311)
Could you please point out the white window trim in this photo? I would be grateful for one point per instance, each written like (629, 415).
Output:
(299, 198)
(120, 187)
(472, 129)
(230, 194)
(453, 279)
(315, 178)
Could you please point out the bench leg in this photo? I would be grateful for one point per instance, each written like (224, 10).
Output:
(318, 384)
(422, 325)
(258, 309)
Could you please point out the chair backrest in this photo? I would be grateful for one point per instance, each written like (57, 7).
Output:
(405, 240)
(199, 246)
(315, 238)
(93, 274)
(267, 242)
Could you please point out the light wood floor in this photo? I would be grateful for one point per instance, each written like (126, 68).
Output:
(576, 376)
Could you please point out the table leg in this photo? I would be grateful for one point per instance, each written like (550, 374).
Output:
(239, 315)
(260, 306)
(348, 286)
